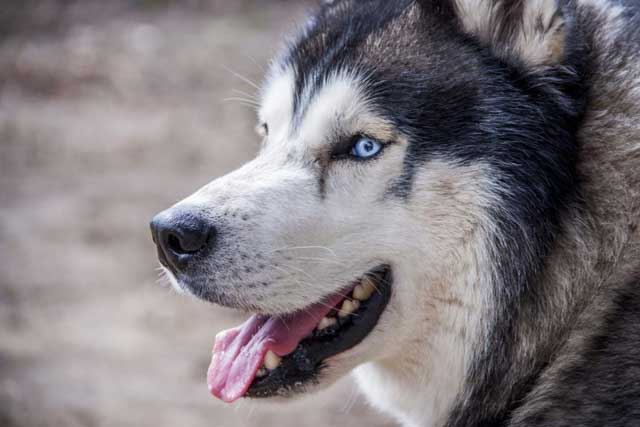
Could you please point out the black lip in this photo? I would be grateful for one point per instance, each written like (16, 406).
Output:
(302, 367)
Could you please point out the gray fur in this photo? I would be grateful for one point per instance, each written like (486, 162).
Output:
(552, 375)
(529, 113)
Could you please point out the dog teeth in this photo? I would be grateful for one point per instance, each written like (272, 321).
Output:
(261, 372)
(271, 360)
(364, 290)
(326, 322)
(348, 307)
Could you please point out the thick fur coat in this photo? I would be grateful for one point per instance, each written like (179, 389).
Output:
(505, 198)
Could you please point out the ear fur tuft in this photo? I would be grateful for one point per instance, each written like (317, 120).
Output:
(531, 32)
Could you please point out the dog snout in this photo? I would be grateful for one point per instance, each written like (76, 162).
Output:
(181, 234)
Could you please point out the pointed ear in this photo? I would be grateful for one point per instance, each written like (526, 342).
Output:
(530, 32)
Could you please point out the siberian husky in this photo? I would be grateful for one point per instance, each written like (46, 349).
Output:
(447, 204)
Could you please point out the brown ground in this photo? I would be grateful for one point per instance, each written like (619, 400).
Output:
(108, 114)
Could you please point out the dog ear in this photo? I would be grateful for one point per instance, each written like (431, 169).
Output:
(531, 32)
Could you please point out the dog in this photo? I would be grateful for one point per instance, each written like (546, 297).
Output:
(446, 203)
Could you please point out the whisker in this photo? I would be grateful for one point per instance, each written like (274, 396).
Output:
(327, 260)
(301, 271)
(377, 279)
(255, 61)
(299, 282)
(282, 319)
(248, 95)
(242, 101)
(241, 77)
(293, 248)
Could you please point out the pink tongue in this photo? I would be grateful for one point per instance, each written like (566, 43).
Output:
(238, 353)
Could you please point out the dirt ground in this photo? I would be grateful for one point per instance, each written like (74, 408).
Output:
(110, 112)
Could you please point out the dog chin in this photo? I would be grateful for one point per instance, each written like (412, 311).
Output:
(331, 374)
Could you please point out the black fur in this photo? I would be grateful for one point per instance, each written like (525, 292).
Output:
(458, 101)
(601, 388)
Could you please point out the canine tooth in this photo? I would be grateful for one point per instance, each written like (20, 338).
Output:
(348, 307)
(358, 293)
(271, 360)
(364, 290)
(326, 322)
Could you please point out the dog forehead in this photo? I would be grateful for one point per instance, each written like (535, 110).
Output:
(330, 79)
(337, 107)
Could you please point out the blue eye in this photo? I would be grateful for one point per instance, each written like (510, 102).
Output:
(365, 148)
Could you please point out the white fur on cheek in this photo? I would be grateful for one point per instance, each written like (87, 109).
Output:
(440, 294)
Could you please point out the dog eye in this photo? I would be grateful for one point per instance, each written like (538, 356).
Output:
(262, 129)
(365, 148)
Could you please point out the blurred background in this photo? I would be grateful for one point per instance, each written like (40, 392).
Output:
(111, 111)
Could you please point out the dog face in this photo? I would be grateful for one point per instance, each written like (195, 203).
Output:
(368, 226)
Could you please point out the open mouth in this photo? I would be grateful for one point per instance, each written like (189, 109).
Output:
(280, 355)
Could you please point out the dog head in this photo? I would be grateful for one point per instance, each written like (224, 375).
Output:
(413, 157)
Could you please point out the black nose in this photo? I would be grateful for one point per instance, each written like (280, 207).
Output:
(180, 234)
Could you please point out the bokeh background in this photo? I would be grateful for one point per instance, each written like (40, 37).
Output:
(110, 111)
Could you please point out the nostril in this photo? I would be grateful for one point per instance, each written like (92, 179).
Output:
(174, 244)
(186, 243)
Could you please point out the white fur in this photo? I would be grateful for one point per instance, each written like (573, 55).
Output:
(277, 103)
(416, 358)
